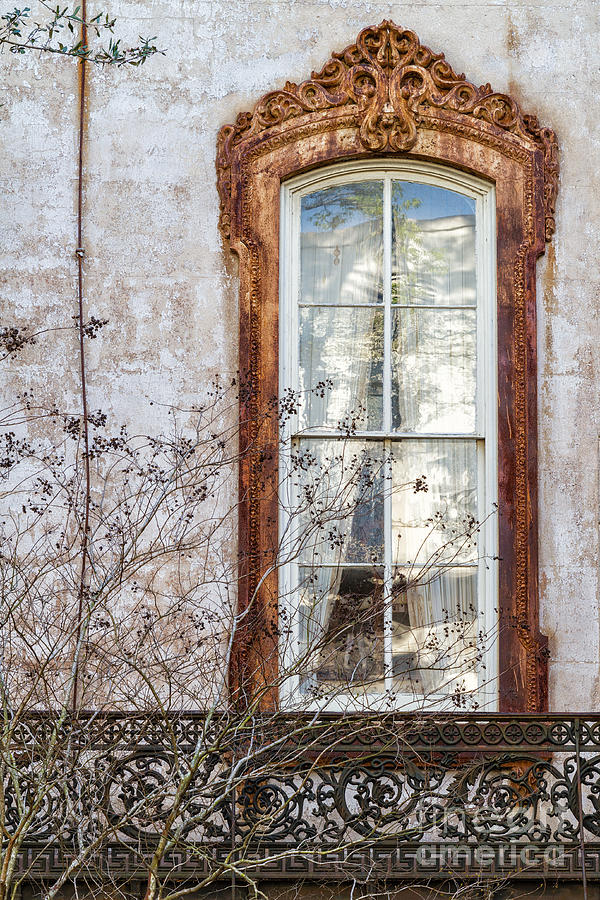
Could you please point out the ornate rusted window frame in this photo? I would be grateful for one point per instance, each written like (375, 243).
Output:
(389, 96)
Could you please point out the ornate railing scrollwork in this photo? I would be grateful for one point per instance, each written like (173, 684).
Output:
(401, 794)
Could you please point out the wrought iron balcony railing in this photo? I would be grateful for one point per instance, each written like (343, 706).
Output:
(424, 795)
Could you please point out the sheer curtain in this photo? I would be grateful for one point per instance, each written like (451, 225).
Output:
(352, 503)
(434, 357)
(441, 615)
(434, 354)
(340, 380)
(343, 264)
(340, 344)
(433, 346)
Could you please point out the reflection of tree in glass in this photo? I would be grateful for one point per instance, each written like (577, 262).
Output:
(411, 259)
(351, 204)
(344, 204)
(414, 265)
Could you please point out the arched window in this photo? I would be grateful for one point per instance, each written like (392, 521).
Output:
(388, 340)
(387, 215)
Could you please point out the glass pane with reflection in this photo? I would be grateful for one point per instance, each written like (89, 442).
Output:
(433, 246)
(341, 368)
(341, 630)
(435, 637)
(434, 370)
(341, 244)
(434, 502)
(338, 516)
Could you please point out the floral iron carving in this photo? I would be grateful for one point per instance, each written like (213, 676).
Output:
(391, 84)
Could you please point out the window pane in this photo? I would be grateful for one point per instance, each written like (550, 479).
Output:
(435, 634)
(434, 360)
(342, 244)
(433, 246)
(341, 629)
(339, 516)
(341, 367)
(434, 502)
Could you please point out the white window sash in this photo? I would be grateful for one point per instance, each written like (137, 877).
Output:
(485, 433)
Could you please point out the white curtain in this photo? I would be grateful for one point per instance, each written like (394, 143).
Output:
(433, 388)
(339, 346)
(434, 360)
(432, 532)
(441, 608)
(342, 265)
(434, 355)
(317, 608)
(348, 500)
(434, 260)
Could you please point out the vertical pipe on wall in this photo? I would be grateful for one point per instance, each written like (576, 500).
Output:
(80, 253)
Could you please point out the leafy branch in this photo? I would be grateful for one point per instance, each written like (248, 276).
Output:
(63, 31)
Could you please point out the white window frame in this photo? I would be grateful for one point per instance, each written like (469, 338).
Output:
(483, 192)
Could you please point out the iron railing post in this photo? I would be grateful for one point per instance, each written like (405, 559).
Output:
(577, 724)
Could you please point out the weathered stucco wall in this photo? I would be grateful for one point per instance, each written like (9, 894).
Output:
(157, 269)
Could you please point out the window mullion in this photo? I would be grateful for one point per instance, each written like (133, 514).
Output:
(387, 304)
(387, 550)
(387, 424)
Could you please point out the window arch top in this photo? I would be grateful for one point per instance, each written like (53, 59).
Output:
(387, 87)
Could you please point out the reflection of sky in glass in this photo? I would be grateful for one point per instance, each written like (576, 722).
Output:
(354, 203)
(342, 206)
(431, 202)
